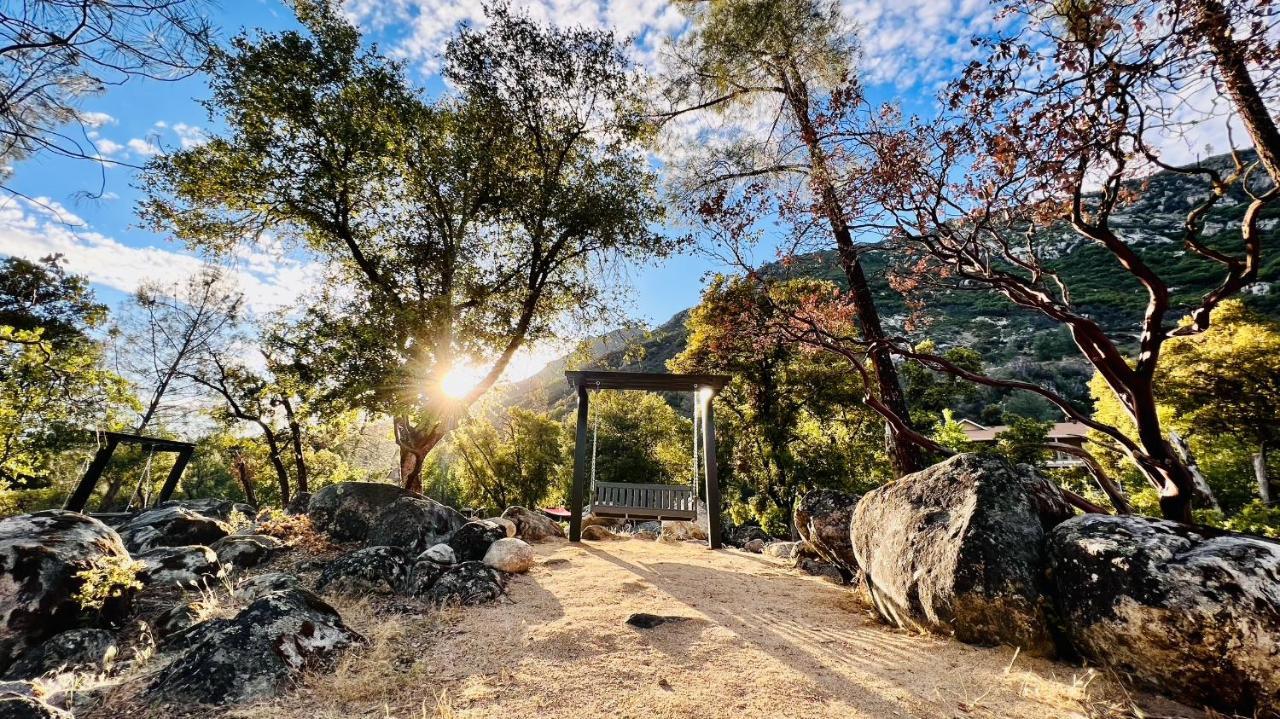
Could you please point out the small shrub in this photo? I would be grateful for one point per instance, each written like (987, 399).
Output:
(239, 521)
(1253, 518)
(297, 531)
(272, 514)
(107, 577)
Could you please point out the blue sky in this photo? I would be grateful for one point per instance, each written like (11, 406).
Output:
(910, 46)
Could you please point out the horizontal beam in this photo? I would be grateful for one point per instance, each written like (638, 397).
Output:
(649, 381)
(165, 445)
(636, 485)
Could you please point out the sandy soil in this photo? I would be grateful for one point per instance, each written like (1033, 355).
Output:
(759, 641)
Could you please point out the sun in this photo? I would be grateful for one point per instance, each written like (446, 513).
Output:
(460, 380)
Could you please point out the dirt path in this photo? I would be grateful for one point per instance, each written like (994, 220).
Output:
(759, 641)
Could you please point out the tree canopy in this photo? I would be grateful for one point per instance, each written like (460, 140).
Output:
(455, 229)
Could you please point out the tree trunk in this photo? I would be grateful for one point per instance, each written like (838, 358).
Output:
(1203, 491)
(903, 454)
(241, 469)
(282, 473)
(1233, 69)
(295, 435)
(414, 445)
(1260, 473)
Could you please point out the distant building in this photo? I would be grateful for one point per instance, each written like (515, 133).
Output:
(1072, 433)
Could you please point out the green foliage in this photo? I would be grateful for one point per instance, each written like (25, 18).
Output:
(1219, 390)
(950, 434)
(929, 393)
(1253, 518)
(513, 460)
(790, 419)
(639, 438)
(1023, 442)
(459, 227)
(106, 578)
(52, 378)
(1225, 380)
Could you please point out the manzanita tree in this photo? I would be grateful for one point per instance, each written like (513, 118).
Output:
(1068, 108)
(455, 228)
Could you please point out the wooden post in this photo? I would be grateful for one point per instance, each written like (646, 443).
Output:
(84, 490)
(579, 469)
(712, 471)
(171, 482)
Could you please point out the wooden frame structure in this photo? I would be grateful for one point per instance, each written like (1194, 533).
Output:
(642, 499)
(80, 497)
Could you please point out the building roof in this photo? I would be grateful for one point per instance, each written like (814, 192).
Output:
(1060, 430)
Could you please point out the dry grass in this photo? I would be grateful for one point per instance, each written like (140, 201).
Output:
(760, 641)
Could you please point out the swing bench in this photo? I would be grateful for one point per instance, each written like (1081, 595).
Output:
(662, 502)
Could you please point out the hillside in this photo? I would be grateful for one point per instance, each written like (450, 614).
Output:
(1014, 342)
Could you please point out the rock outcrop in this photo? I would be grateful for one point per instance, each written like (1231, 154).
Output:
(441, 554)
(742, 535)
(822, 518)
(89, 650)
(414, 524)
(211, 507)
(171, 526)
(591, 520)
(466, 584)
(347, 510)
(676, 531)
(178, 618)
(781, 550)
(257, 653)
(40, 557)
(425, 571)
(188, 567)
(510, 555)
(242, 551)
(472, 540)
(533, 526)
(250, 588)
(17, 706)
(378, 568)
(958, 549)
(507, 525)
(600, 533)
(1193, 614)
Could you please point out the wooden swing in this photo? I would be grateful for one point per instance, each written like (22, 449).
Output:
(624, 500)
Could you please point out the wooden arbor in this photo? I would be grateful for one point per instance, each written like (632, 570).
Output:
(646, 501)
(84, 490)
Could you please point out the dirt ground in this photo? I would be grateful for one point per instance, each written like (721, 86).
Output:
(758, 640)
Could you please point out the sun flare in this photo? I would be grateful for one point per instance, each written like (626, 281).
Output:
(460, 380)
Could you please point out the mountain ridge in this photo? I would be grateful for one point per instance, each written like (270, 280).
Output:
(1014, 341)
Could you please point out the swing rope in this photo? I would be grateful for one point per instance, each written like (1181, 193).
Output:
(144, 479)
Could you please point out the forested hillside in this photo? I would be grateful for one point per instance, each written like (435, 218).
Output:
(1013, 341)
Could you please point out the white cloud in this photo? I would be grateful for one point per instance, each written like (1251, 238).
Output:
(189, 136)
(107, 148)
(143, 148)
(96, 119)
(269, 279)
(906, 43)
(917, 43)
(421, 29)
